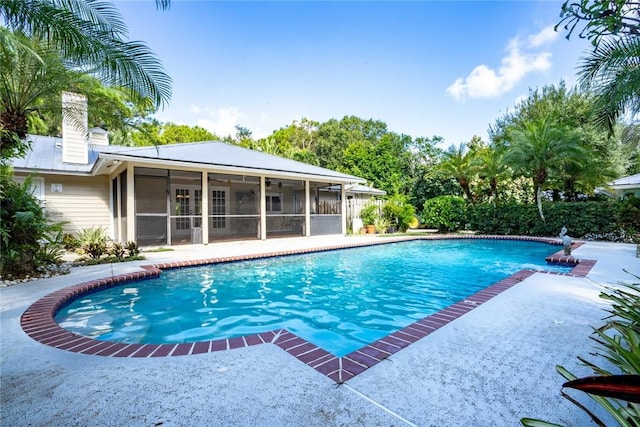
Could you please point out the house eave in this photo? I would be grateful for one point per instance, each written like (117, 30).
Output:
(275, 173)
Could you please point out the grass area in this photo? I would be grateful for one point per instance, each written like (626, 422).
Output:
(160, 249)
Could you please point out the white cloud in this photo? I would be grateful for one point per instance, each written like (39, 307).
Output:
(222, 121)
(485, 82)
(545, 36)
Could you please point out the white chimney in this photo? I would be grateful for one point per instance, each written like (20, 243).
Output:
(75, 132)
(98, 136)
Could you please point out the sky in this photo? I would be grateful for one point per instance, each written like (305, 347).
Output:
(425, 68)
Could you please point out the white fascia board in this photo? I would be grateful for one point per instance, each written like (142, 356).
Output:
(271, 173)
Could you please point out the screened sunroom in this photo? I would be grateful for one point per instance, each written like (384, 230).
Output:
(189, 205)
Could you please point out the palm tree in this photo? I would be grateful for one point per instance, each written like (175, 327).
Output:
(612, 72)
(491, 167)
(27, 76)
(538, 149)
(89, 36)
(458, 163)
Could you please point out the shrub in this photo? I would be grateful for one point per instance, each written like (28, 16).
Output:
(132, 249)
(399, 212)
(70, 242)
(382, 224)
(93, 241)
(95, 249)
(369, 214)
(23, 226)
(117, 250)
(589, 220)
(51, 248)
(446, 213)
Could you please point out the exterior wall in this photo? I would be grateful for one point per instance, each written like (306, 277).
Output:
(74, 129)
(79, 202)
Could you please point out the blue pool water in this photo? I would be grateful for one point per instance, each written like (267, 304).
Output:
(339, 300)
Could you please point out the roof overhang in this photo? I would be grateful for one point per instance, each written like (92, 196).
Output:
(109, 158)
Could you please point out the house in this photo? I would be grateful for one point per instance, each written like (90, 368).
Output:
(628, 185)
(177, 194)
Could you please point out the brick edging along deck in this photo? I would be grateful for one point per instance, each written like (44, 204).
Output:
(38, 320)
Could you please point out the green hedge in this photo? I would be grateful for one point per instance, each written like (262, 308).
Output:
(603, 220)
(446, 213)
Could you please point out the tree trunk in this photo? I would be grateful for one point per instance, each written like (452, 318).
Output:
(539, 201)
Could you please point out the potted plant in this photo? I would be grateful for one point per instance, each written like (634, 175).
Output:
(382, 225)
(369, 214)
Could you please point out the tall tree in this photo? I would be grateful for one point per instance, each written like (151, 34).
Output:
(27, 76)
(458, 163)
(611, 70)
(90, 36)
(539, 148)
(612, 73)
(601, 18)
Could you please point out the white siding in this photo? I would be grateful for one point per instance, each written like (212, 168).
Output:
(74, 129)
(82, 203)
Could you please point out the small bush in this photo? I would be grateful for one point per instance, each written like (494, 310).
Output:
(93, 241)
(399, 212)
(446, 213)
(369, 214)
(117, 250)
(132, 249)
(381, 225)
(70, 243)
(95, 249)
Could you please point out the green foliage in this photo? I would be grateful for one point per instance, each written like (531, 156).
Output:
(601, 18)
(369, 214)
(399, 212)
(70, 242)
(52, 247)
(24, 227)
(95, 249)
(132, 249)
(446, 213)
(630, 214)
(381, 225)
(93, 241)
(600, 220)
(117, 250)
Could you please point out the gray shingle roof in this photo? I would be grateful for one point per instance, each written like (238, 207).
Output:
(46, 155)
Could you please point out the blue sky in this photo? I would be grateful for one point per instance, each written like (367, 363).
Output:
(446, 68)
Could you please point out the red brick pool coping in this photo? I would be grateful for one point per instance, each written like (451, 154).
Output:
(38, 320)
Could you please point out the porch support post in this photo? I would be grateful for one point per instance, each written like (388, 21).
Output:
(263, 210)
(343, 209)
(205, 207)
(131, 206)
(307, 209)
(118, 197)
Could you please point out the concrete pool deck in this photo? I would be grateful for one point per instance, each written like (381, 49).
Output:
(492, 366)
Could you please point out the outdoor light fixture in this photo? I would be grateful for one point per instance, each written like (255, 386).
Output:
(267, 183)
(280, 185)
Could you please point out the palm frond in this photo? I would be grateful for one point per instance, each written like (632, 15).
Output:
(612, 73)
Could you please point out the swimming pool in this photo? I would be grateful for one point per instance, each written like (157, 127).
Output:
(337, 300)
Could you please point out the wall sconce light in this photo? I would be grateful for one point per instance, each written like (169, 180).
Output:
(280, 185)
(267, 183)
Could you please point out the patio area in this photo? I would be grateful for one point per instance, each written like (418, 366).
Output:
(490, 367)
